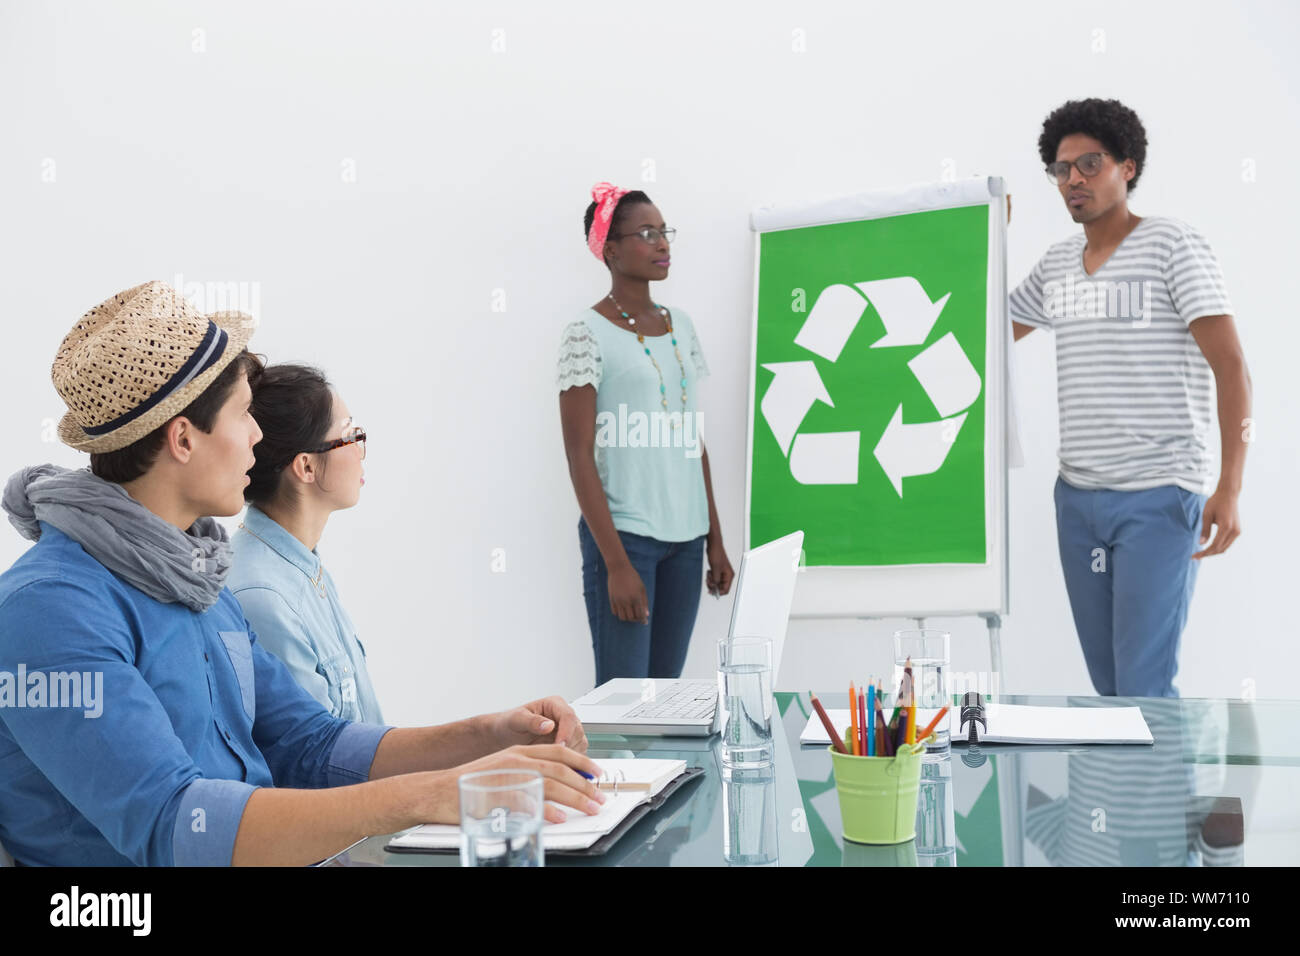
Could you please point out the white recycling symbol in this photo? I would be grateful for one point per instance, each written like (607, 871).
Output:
(942, 369)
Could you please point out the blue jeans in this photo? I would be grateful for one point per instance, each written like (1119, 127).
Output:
(1126, 556)
(671, 572)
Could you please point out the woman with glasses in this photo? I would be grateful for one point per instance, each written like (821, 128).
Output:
(309, 465)
(629, 370)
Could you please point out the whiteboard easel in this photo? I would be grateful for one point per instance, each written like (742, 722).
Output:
(915, 591)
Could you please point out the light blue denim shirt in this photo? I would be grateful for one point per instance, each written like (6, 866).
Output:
(134, 731)
(290, 600)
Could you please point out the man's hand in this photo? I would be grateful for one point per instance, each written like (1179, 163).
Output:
(549, 720)
(1221, 511)
(562, 781)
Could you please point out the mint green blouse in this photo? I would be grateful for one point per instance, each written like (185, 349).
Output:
(648, 458)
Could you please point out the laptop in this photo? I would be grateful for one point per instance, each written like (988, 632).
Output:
(631, 706)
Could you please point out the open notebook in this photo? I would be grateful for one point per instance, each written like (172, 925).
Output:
(580, 830)
(1023, 724)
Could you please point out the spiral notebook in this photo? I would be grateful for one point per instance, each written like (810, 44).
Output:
(580, 831)
(1023, 724)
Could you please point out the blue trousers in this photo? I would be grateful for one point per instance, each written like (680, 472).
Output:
(1126, 556)
(672, 573)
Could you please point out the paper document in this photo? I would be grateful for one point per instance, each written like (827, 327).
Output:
(580, 830)
(1023, 724)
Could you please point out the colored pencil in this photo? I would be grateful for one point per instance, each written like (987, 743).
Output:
(869, 719)
(932, 724)
(826, 722)
(853, 719)
(862, 724)
(911, 705)
(882, 728)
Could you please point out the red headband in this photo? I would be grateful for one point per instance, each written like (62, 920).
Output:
(606, 196)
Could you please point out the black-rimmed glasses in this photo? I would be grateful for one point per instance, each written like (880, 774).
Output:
(1058, 173)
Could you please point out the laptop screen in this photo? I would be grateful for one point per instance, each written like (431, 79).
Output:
(764, 593)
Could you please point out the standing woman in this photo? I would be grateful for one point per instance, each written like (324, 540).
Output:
(631, 366)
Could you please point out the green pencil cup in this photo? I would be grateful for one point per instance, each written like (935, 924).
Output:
(878, 795)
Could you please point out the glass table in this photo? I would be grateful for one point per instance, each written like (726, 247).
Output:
(1216, 789)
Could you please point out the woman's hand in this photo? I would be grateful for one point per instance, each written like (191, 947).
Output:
(627, 597)
(720, 573)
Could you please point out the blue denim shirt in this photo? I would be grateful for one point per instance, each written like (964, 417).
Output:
(290, 600)
(194, 716)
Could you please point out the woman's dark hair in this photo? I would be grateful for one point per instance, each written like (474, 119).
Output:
(625, 203)
(294, 407)
(1109, 122)
(129, 463)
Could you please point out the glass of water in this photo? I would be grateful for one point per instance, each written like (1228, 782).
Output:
(749, 807)
(501, 818)
(745, 701)
(928, 649)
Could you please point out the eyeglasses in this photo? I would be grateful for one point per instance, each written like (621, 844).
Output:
(352, 436)
(1058, 173)
(650, 234)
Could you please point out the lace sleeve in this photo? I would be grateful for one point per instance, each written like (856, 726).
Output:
(579, 358)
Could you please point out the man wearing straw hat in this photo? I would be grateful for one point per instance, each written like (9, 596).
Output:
(140, 720)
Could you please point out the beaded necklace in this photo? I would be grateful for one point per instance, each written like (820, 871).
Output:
(663, 391)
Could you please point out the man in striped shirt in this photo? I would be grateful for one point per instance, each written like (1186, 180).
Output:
(1144, 334)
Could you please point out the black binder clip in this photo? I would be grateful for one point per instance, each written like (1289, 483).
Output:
(972, 710)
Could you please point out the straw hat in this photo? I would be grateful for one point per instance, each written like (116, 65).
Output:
(136, 361)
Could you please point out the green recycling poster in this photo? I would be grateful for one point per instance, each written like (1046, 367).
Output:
(868, 430)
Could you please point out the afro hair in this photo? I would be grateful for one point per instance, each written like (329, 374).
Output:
(1109, 122)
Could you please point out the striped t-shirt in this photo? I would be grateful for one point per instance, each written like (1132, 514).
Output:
(1135, 392)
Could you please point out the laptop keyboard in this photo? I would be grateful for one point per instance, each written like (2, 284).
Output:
(686, 701)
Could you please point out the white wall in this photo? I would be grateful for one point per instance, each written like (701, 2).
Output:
(472, 171)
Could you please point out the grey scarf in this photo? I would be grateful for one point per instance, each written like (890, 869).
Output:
(169, 565)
